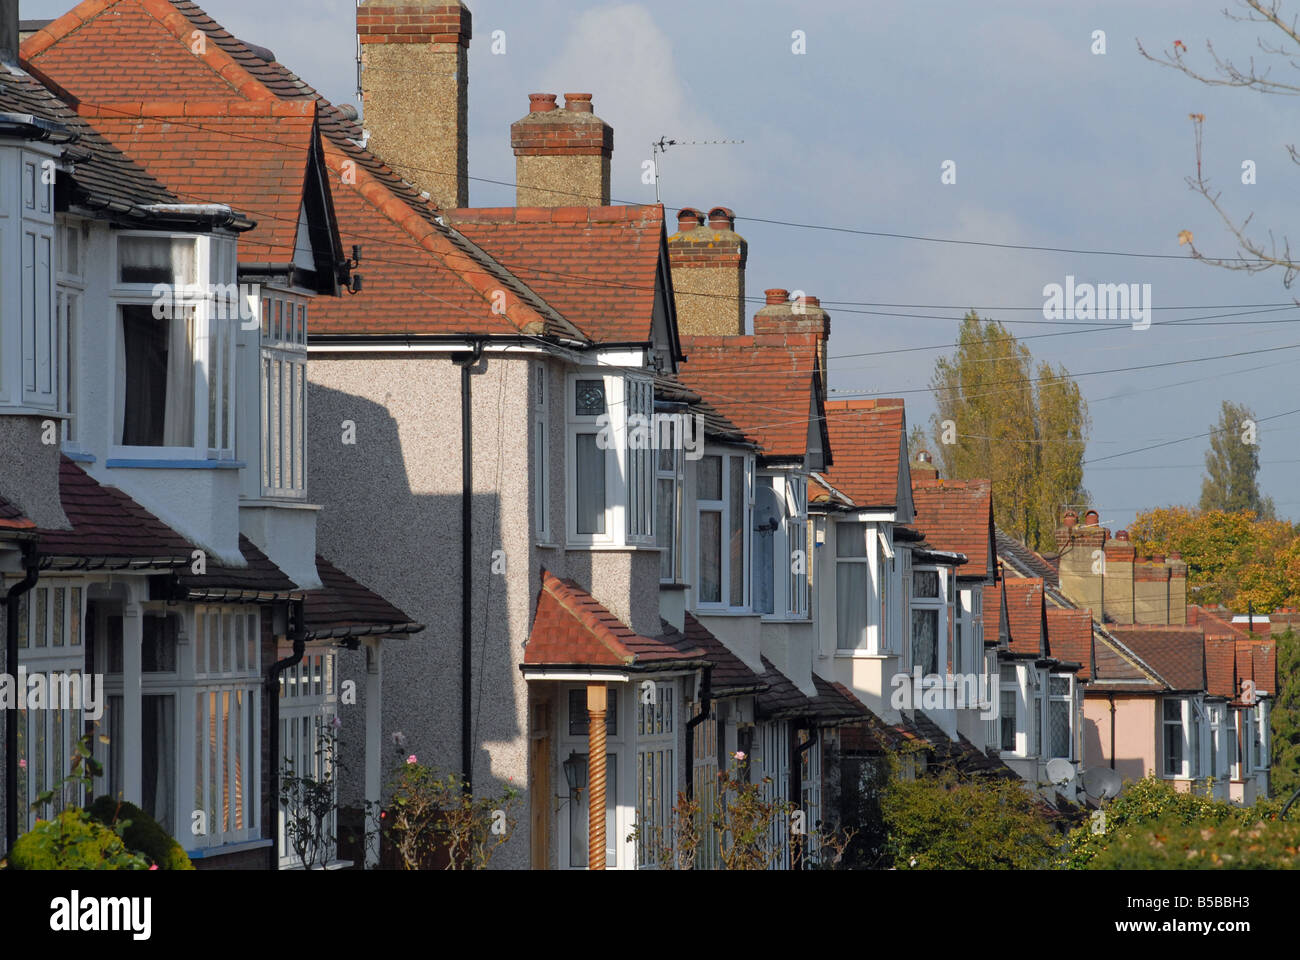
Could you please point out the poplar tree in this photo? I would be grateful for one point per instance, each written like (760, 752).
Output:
(1232, 465)
(1022, 425)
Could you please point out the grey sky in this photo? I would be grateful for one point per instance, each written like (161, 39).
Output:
(1054, 146)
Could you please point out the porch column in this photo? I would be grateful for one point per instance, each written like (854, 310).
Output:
(374, 745)
(596, 706)
(132, 705)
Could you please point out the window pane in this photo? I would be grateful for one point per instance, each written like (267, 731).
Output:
(925, 583)
(156, 379)
(578, 817)
(710, 556)
(666, 527)
(156, 260)
(850, 539)
(590, 494)
(1058, 721)
(589, 398)
(736, 574)
(851, 605)
(157, 762)
(767, 521)
(925, 640)
(578, 720)
(708, 474)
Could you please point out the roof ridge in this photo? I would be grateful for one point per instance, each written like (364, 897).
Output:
(217, 108)
(435, 241)
(167, 15)
(563, 591)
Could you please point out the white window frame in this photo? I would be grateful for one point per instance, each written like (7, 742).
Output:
(1191, 729)
(669, 470)
(789, 579)
(541, 452)
(282, 370)
(656, 769)
(1019, 736)
(942, 605)
(629, 513)
(726, 509)
(1262, 757)
(308, 706)
(619, 853)
(1068, 699)
(214, 264)
(51, 639)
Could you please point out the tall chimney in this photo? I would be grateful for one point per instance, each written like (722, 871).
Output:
(561, 155)
(783, 320)
(415, 91)
(708, 265)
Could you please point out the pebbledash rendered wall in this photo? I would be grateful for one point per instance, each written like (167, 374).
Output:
(392, 515)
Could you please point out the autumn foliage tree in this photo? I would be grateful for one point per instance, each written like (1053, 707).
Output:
(1022, 424)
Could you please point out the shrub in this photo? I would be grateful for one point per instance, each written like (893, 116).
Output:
(72, 841)
(1170, 844)
(141, 832)
(944, 822)
(1149, 801)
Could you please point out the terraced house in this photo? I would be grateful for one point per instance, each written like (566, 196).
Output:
(156, 542)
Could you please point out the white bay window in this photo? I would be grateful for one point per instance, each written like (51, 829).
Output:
(722, 507)
(284, 395)
(780, 530)
(611, 458)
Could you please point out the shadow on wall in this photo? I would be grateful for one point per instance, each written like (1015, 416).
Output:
(407, 547)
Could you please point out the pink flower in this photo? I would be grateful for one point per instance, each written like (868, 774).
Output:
(22, 764)
(154, 867)
(337, 723)
(411, 759)
(739, 754)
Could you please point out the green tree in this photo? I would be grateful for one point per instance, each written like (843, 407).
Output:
(1022, 425)
(1285, 773)
(1232, 464)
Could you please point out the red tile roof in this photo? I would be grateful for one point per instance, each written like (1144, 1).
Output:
(252, 156)
(957, 516)
(420, 277)
(1069, 637)
(1026, 616)
(728, 675)
(1176, 653)
(1116, 672)
(345, 607)
(108, 528)
(572, 628)
(599, 266)
(763, 384)
(996, 628)
(867, 437)
(1221, 667)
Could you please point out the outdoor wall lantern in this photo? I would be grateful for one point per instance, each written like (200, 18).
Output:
(575, 774)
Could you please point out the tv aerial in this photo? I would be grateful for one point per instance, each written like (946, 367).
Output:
(661, 146)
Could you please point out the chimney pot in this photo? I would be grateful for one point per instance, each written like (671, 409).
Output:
(808, 301)
(688, 218)
(720, 218)
(1092, 518)
(1069, 519)
(578, 102)
(541, 102)
(776, 296)
(1122, 535)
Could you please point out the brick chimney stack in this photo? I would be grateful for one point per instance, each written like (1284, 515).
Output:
(415, 91)
(561, 155)
(788, 322)
(708, 263)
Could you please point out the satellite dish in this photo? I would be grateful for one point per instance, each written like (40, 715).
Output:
(1101, 782)
(1060, 770)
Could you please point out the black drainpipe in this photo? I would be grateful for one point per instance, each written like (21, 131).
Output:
(466, 558)
(297, 627)
(704, 714)
(28, 581)
(1112, 731)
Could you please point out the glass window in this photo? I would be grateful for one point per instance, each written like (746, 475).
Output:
(578, 816)
(1173, 738)
(155, 376)
(578, 720)
(1008, 688)
(767, 525)
(925, 639)
(590, 490)
(1059, 717)
(925, 584)
(155, 260)
(589, 398)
